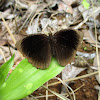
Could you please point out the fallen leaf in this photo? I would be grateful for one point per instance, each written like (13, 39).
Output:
(64, 7)
(3, 42)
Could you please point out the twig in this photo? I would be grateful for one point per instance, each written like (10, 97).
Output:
(67, 88)
(26, 20)
(62, 94)
(32, 19)
(58, 95)
(80, 14)
(79, 25)
(8, 29)
(98, 63)
(76, 78)
(47, 91)
(77, 89)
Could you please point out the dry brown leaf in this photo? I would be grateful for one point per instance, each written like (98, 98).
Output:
(87, 36)
(3, 42)
(63, 7)
(71, 71)
(90, 37)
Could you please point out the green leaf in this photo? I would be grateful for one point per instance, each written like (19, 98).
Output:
(25, 79)
(85, 48)
(99, 1)
(4, 69)
(85, 4)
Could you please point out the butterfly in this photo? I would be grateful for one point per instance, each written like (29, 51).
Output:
(40, 48)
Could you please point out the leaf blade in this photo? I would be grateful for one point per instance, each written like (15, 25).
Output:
(25, 79)
(4, 69)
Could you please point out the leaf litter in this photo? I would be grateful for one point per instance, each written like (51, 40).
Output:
(42, 16)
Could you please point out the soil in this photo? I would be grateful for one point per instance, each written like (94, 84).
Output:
(87, 92)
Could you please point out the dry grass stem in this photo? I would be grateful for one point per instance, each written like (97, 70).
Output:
(62, 94)
(8, 29)
(47, 91)
(85, 20)
(56, 94)
(26, 20)
(98, 63)
(12, 36)
(3, 55)
(67, 89)
(76, 78)
(32, 19)
(27, 98)
(76, 89)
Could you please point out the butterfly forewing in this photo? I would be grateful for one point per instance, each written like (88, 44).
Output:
(39, 48)
(36, 49)
(65, 45)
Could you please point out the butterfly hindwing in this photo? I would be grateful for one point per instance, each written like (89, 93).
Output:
(65, 43)
(36, 49)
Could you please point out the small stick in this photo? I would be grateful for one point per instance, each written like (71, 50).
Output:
(77, 89)
(8, 29)
(76, 78)
(56, 94)
(26, 20)
(47, 91)
(62, 94)
(98, 63)
(79, 25)
(27, 98)
(66, 86)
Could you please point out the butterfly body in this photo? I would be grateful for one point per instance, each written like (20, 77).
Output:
(40, 48)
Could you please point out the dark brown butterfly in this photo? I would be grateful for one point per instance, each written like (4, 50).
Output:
(40, 48)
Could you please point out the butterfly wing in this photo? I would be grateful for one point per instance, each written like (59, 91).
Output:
(36, 49)
(66, 43)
